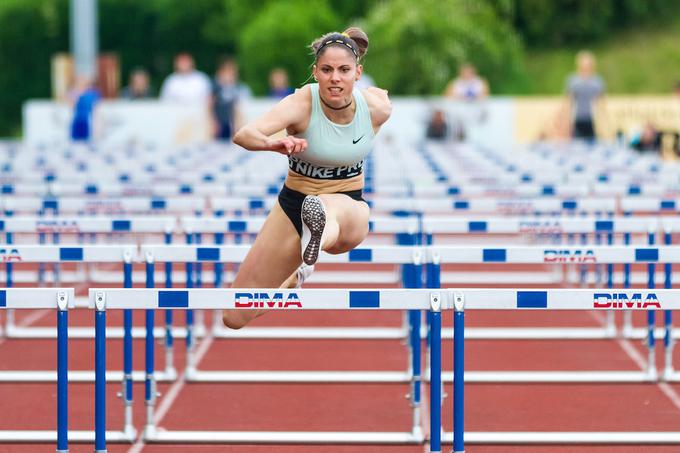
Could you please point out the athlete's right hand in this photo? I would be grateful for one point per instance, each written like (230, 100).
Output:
(287, 145)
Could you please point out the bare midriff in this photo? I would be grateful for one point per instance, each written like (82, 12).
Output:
(312, 186)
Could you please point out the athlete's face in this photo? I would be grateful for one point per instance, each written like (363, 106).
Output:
(336, 70)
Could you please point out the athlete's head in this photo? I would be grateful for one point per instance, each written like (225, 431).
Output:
(337, 63)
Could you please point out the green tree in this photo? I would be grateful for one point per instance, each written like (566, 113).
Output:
(417, 51)
(555, 23)
(31, 31)
(278, 36)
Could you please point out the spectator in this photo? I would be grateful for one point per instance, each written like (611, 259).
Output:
(86, 96)
(437, 128)
(227, 93)
(647, 140)
(468, 86)
(186, 85)
(138, 87)
(583, 89)
(278, 84)
(676, 90)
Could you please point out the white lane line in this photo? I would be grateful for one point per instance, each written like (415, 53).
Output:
(641, 362)
(173, 392)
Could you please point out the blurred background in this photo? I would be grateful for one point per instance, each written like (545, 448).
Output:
(524, 50)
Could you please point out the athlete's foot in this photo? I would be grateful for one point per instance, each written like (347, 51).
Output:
(302, 274)
(313, 223)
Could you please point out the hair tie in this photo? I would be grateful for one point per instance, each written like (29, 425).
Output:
(345, 34)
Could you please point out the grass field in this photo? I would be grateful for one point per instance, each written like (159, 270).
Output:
(641, 61)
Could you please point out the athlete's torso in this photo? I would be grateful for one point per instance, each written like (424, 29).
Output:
(333, 160)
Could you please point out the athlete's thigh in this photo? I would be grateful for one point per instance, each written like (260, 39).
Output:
(352, 217)
(273, 257)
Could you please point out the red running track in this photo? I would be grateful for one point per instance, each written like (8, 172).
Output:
(362, 407)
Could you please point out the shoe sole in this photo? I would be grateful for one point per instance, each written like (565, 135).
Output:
(313, 224)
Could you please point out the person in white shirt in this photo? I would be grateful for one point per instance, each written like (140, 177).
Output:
(468, 86)
(186, 85)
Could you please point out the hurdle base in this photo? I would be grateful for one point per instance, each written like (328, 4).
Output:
(552, 376)
(304, 333)
(51, 436)
(671, 376)
(299, 376)
(529, 333)
(88, 332)
(567, 437)
(77, 376)
(280, 437)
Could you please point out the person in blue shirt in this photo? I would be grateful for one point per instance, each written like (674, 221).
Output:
(278, 84)
(83, 110)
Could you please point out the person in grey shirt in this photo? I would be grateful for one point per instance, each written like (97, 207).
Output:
(584, 88)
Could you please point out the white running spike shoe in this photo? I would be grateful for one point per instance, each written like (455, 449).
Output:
(313, 223)
(303, 273)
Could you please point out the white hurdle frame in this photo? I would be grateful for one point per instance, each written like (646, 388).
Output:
(125, 255)
(61, 299)
(162, 225)
(235, 254)
(537, 254)
(103, 299)
(545, 299)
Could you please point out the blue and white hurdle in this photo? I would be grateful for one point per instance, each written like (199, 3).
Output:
(409, 257)
(96, 205)
(60, 299)
(549, 299)
(217, 299)
(132, 228)
(537, 254)
(123, 255)
(459, 300)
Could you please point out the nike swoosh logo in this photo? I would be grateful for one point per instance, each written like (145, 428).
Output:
(354, 142)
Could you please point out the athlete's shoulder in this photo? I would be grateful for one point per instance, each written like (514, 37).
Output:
(378, 103)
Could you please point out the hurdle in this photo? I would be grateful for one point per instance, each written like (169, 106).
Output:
(548, 299)
(125, 255)
(89, 205)
(404, 227)
(537, 254)
(545, 225)
(13, 226)
(61, 299)
(409, 257)
(105, 299)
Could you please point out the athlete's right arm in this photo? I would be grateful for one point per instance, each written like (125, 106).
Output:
(289, 112)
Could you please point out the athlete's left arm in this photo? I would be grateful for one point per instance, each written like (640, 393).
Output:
(379, 105)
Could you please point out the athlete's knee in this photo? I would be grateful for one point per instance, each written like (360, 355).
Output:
(235, 319)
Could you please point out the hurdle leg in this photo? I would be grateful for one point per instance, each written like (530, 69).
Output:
(150, 393)
(611, 323)
(100, 374)
(126, 393)
(668, 316)
(627, 315)
(458, 373)
(651, 319)
(435, 362)
(190, 362)
(9, 277)
(62, 374)
(170, 370)
(433, 280)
